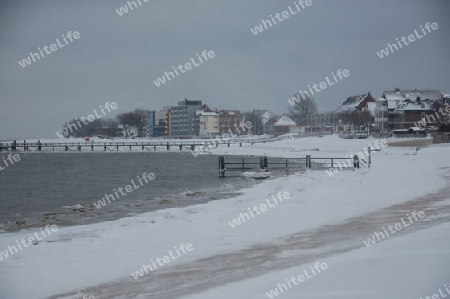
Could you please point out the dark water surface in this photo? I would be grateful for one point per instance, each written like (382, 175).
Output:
(34, 190)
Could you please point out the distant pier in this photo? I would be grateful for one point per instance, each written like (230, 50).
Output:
(110, 146)
(133, 145)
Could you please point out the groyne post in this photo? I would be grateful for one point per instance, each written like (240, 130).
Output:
(221, 166)
(308, 162)
(355, 161)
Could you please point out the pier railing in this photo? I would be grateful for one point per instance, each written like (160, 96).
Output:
(108, 145)
(264, 164)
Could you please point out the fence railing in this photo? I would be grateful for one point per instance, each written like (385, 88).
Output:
(263, 164)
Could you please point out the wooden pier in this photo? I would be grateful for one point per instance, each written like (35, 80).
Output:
(124, 145)
(152, 145)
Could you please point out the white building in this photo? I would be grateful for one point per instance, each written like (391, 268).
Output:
(381, 118)
(209, 124)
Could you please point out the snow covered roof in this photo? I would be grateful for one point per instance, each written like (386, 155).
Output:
(284, 121)
(396, 96)
(204, 113)
(352, 102)
(355, 100)
(414, 105)
(230, 112)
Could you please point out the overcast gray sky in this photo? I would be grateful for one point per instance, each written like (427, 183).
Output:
(118, 57)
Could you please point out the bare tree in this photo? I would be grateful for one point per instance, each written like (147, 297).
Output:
(303, 111)
(132, 119)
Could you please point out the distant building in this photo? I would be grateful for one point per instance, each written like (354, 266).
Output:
(357, 112)
(409, 113)
(381, 115)
(283, 126)
(230, 120)
(358, 103)
(160, 125)
(167, 120)
(149, 129)
(209, 124)
(397, 117)
(183, 118)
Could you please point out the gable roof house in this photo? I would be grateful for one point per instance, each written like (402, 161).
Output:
(283, 125)
(357, 103)
(358, 109)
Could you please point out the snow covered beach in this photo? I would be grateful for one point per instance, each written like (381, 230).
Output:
(326, 219)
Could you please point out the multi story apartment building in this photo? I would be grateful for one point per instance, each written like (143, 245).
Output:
(183, 118)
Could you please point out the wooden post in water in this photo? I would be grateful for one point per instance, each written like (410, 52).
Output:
(181, 147)
(66, 148)
(24, 145)
(39, 146)
(355, 161)
(168, 146)
(221, 166)
(308, 162)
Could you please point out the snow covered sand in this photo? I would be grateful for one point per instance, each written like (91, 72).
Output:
(410, 266)
(75, 258)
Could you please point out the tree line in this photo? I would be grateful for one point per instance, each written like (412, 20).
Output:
(118, 126)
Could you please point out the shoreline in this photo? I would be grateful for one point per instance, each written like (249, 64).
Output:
(119, 247)
(86, 215)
